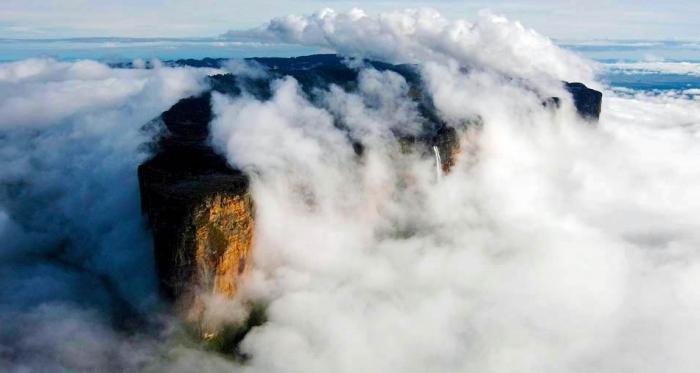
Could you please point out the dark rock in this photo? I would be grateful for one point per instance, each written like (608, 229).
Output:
(187, 121)
(199, 209)
(588, 101)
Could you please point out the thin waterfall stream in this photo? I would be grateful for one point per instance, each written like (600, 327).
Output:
(438, 164)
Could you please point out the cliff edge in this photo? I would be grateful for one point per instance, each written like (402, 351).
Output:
(200, 209)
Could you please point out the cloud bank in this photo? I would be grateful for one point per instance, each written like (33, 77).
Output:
(76, 260)
(423, 34)
(656, 67)
(551, 246)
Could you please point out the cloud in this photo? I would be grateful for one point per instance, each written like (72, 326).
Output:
(655, 67)
(424, 34)
(553, 239)
(592, 19)
(76, 259)
(552, 246)
(245, 68)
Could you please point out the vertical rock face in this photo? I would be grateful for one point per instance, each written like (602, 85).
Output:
(199, 209)
(588, 101)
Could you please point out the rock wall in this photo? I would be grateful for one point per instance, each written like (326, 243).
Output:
(200, 209)
(200, 212)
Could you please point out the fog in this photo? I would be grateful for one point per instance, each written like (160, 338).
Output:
(553, 244)
(76, 259)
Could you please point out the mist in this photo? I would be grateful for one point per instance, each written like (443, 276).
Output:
(554, 244)
(76, 258)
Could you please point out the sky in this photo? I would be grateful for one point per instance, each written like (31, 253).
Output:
(561, 19)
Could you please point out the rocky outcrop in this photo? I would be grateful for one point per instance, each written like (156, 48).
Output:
(199, 209)
(588, 102)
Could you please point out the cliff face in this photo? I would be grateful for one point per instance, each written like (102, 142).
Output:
(199, 209)
(202, 233)
(223, 237)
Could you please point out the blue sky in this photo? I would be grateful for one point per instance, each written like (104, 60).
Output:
(563, 19)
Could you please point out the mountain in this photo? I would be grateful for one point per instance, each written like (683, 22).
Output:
(200, 209)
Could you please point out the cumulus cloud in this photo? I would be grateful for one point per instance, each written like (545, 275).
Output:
(419, 34)
(555, 247)
(552, 245)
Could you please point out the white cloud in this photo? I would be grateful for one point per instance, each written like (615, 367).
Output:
(590, 19)
(552, 246)
(76, 258)
(655, 67)
(553, 239)
(419, 35)
(245, 68)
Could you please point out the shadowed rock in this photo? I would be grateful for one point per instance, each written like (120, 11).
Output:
(588, 101)
(199, 209)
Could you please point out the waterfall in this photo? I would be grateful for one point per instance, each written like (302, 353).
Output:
(438, 164)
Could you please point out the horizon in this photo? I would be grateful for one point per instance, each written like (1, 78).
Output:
(65, 37)
(222, 37)
(574, 20)
(420, 193)
(122, 49)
